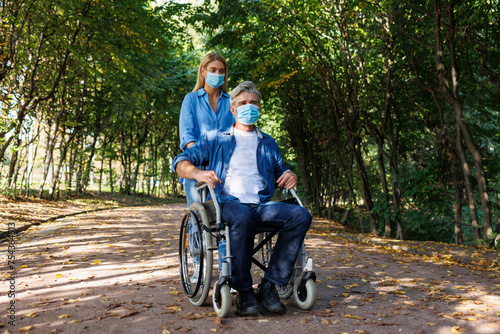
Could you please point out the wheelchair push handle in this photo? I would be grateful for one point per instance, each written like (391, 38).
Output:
(202, 187)
(291, 191)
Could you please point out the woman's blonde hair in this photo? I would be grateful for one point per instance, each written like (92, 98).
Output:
(200, 81)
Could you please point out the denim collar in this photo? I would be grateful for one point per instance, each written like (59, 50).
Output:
(257, 131)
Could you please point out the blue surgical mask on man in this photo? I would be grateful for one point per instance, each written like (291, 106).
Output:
(215, 80)
(248, 114)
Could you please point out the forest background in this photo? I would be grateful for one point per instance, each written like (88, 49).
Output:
(389, 111)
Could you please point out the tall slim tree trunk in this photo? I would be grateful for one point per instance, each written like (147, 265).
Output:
(385, 187)
(459, 239)
(365, 184)
(468, 187)
(47, 160)
(101, 170)
(451, 96)
(88, 166)
(111, 174)
(396, 195)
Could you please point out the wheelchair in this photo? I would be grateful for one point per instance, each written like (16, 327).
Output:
(203, 232)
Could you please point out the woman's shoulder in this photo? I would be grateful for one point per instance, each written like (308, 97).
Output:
(194, 95)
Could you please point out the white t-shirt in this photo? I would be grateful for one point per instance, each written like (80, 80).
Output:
(243, 180)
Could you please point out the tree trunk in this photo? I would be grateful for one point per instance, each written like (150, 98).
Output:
(47, 160)
(468, 187)
(347, 211)
(88, 166)
(459, 239)
(365, 184)
(111, 174)
(101, 170)
(31, 164)
(451, 96)
(385, 188)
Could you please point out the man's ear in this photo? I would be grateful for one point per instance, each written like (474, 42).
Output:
(233, 111)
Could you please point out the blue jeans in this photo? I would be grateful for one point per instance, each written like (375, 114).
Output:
(292, 222)
(190, 190)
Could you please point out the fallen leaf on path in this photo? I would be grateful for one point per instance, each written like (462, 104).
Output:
(128, 314)
(218, 322)
(63, 316)
(193, 316)
(30, 315)
(458, 329)
(25, 329)
(353, 317)
(113, 306)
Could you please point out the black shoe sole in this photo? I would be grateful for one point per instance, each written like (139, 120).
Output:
(250, 312)
(275, 310)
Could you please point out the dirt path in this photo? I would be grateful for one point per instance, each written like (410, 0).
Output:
(116, 271)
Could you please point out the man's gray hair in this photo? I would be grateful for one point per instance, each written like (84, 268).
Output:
(245, 86)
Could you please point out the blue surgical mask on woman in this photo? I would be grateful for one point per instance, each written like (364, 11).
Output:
(247, 114)
(215, 80)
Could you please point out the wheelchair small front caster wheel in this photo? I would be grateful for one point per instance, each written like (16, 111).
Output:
(305, 296)
(222, 300)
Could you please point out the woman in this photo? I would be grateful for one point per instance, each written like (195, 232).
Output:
(206, 108)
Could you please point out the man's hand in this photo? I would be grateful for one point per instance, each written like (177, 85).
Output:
(288, 180)
(207, 176)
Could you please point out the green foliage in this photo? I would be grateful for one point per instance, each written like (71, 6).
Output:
(428, 213)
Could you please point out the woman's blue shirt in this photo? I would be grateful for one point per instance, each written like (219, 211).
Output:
(197, 116)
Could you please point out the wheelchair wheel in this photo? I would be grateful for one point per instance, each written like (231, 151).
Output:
(222, 300)
(266, 251)
(195, 255)
(305, 297)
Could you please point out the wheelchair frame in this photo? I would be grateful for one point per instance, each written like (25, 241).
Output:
(202, 225)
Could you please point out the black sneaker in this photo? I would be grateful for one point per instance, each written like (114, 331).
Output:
(268, 297)
(246, 303)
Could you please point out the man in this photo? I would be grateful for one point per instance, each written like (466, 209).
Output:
(243, 164)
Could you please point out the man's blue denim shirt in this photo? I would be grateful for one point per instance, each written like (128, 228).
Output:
(217, 147)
